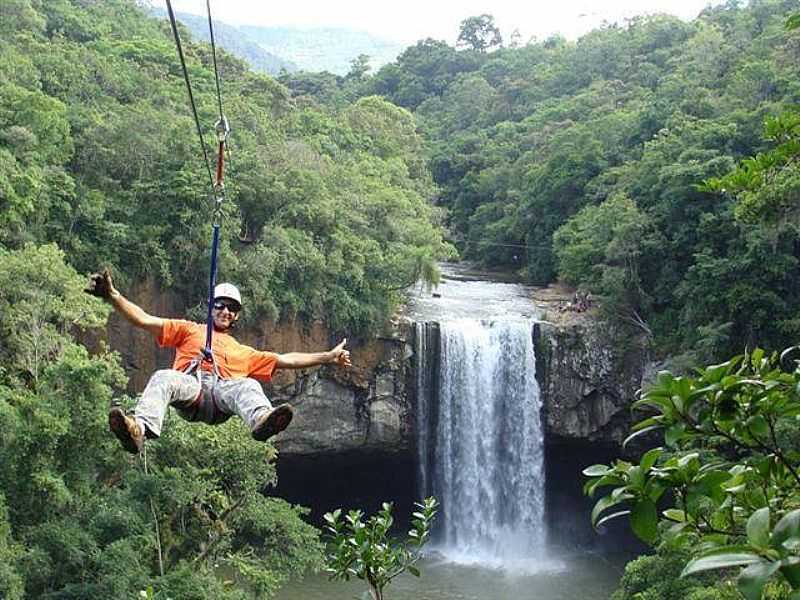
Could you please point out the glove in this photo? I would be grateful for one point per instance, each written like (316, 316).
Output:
(100, 285)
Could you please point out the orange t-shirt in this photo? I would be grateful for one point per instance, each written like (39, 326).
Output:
(234, 360)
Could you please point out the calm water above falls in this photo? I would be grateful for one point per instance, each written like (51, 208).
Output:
(465, 293)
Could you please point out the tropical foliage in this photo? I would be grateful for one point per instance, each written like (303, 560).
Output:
(617, 163)
(326, 217)
(78, 518)
(528, 143)
(726, 488)
(365, 549)
(100, 156)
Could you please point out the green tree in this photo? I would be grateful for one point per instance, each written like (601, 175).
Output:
(11, 582)
(726, 488)
(767, 186)
(365, 549)
(77, 518)
(479, 33)
(359, 67)
(600, 249)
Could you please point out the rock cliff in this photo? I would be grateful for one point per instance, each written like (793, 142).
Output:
(588, 372)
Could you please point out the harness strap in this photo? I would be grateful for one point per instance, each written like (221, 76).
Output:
(194, 368)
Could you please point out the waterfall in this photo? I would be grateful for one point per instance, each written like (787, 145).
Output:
(480, 443)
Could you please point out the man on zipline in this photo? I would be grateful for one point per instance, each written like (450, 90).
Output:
(199, 389)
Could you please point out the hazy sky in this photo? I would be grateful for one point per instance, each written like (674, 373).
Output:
(411, 20)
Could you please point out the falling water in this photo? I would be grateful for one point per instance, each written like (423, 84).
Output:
(481, 447)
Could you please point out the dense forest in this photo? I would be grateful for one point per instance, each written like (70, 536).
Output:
(584, 161)
(326, 217)
(617, 163)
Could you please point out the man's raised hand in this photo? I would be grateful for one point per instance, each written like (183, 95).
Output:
(100, 285)
(341, 356)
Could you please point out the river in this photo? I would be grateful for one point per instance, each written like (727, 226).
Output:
(581, 576)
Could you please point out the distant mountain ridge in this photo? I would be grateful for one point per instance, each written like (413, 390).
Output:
(234, 41)
(274, 49)
(324, 49)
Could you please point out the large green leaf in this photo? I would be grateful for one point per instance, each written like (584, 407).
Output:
(596, 470)
(612, 516)
(790, 568)
(649, 459)
(721, 558)
(644, 520)
(787, 527)
(641, 432)
(605, 503)
(674, 514)
(674, 434)
(758, 426)
(751, 580)
(758, 528)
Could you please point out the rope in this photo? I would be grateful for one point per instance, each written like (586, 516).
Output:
(189, 89)
(214, 57)
(488, 243)
(217, 185)
(222, 130)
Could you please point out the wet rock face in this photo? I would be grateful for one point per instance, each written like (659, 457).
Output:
(367, 409)
(589, 373)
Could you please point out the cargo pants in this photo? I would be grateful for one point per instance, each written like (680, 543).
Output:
(209, 399)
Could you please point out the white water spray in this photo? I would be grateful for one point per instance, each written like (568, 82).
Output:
(481, 444)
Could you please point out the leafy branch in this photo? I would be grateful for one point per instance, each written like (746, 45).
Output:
(363, 549)
(734, 483)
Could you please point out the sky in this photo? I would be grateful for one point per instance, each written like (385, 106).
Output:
(407, 21)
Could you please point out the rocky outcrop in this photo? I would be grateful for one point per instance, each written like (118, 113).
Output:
(589, 372)
(368, 409)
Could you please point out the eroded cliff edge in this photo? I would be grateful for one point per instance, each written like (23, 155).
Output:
(588, 370)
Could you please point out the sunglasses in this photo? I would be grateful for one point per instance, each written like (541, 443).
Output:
(231, 306)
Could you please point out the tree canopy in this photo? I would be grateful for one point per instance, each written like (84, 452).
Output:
(101, 157)
(522, 139)
(327, 216)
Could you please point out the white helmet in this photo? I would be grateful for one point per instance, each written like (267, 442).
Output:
(228, 290)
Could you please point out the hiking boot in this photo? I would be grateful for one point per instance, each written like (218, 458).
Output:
(272, 422)
(127, 430)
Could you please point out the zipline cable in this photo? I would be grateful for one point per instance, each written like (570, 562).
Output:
(217, 184)
(223, 122)
(214, 57)
(189, 89)
(222, 129)
(488, 243)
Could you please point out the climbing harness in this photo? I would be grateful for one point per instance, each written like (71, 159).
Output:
(217, 181)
